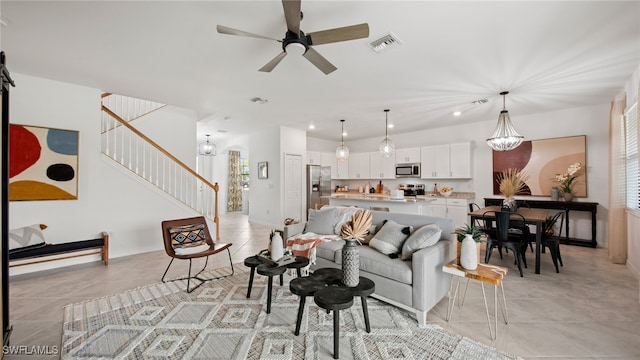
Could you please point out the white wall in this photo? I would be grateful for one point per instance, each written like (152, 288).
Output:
(592, 121)
(108, 198)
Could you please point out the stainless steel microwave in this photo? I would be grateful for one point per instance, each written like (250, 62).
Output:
(409, 170)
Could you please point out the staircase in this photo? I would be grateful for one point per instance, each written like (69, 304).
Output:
(124, 144)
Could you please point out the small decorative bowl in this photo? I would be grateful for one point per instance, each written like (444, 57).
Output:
(446, 193)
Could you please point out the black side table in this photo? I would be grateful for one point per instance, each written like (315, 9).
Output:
(253, 262)
(334, 299)
(270, 271)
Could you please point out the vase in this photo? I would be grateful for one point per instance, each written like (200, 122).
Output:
(568, 197)
(510, 204)
(350, 263)
(469, 253)
(554, 193)
(277, 247)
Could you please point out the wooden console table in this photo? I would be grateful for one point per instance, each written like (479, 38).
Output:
(591, 207)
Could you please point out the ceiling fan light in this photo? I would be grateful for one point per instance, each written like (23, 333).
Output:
(295, 48)
(505, 137)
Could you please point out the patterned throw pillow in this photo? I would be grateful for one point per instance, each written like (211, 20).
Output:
(389, 239)
(187, 236)
(27, 237)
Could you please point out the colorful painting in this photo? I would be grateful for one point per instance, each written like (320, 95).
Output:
(43, 163)
(541, 160)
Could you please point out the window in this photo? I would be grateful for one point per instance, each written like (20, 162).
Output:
(244, 173)
(631, 158)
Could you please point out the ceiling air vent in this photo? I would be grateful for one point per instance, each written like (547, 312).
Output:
(480, 102)
(384, 42)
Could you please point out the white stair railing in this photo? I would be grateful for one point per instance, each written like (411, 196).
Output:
(129, 147)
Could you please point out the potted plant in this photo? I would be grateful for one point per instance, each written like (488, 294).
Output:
(512, 182)
(469, 238)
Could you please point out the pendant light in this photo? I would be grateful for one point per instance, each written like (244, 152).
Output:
(386, 146)
(207, 148)
(505, 137)
(342, 152)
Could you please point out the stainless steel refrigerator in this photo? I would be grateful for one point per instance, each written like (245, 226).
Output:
(318, 187)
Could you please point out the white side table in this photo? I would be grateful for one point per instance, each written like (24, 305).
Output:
(485, 274)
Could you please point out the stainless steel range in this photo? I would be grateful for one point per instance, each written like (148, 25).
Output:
(412, 189)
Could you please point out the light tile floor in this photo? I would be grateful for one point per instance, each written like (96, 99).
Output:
(590, 310)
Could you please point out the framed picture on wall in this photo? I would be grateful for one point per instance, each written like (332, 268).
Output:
(263, 170)
(541, 160)
(44, 163)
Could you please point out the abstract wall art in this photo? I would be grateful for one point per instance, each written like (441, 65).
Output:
(43, 163)
(541, 160)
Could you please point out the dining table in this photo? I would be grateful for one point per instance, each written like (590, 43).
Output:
(536, 217)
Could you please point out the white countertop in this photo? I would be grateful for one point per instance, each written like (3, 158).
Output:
(382, 198)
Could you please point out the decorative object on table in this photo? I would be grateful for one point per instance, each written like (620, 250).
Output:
(568, 179)
(512, 181)
(288, 258)
(505, 137)
(469, 238)
(353, 231)
(555, 193)
(277, 246)
(446, 191)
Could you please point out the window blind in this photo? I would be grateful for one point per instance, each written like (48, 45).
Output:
(631, 158)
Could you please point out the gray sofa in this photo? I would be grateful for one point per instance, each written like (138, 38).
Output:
(417, 284)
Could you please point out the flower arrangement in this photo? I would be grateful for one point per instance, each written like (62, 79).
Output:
(512, 181)
(566, 180)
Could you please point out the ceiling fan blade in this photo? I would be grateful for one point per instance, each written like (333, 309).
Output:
(319, 61)
(292, 15)
(339, 34)
(229, 31)
(272, 64)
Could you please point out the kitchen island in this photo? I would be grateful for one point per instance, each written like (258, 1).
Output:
(416, 205)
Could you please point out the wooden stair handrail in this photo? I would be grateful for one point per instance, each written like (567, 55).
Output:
(215, 186)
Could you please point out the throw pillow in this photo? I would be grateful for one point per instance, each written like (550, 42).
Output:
(423, 237)
(390, 237)
(321, 221)
(187, 236)
(373, 229)
(24, 238)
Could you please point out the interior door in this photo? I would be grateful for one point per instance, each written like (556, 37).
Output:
(293, 186)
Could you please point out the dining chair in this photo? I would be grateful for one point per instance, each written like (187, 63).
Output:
(553, 241)
(505, 239)
(189, 239)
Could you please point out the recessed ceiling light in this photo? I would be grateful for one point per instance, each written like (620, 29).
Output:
(390, 126)
(344, 133)
(312, 126)
(457, 113)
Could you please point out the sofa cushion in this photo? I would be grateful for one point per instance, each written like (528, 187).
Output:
(423, 237)
(331, 250)
(390, 238)
(373, 229)
(322, 221)
(374, 262)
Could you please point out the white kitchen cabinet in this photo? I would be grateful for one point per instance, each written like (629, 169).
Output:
(381, 167)
(314, 158)
(329, 159)
(448, 161)
(359, 166)
(408, 155)
(342, 169)
(455, 209)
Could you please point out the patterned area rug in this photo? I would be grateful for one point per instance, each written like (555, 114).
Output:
(217, 321)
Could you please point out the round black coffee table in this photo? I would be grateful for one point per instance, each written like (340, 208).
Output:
(270, 271)
(334, 299)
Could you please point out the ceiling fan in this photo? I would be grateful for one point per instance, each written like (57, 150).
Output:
(296, 41)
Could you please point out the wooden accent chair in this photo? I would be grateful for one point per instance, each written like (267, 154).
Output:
(189, 239)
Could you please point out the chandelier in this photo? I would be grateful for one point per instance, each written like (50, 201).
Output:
(342, 152)
(505, 137)
(207, 148)
(386, 146)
